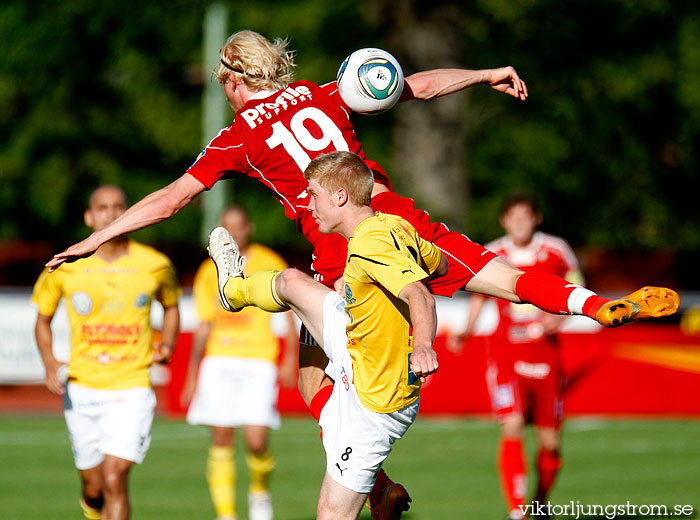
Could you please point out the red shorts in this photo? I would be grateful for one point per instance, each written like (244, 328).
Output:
(525, 379)
(466, 258)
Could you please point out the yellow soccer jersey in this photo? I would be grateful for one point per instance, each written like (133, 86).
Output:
(240, 334)
(109, 309)
(384, 256)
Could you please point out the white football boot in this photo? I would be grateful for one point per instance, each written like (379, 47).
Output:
(228, 260)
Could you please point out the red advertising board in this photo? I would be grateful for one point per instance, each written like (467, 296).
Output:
(642, 369)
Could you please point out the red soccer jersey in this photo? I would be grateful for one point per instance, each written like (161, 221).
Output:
(521, 323)
(272, 139)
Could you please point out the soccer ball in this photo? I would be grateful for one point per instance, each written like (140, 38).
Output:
(370, 81)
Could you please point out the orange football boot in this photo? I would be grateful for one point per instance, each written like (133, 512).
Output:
(647, 302)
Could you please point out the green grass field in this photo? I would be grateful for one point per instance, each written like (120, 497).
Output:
(447, 465)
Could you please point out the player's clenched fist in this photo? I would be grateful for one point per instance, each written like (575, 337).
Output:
(424, 362)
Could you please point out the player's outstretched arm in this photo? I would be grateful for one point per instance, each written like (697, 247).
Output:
(156, 207)
(421, 306)
(441, 82)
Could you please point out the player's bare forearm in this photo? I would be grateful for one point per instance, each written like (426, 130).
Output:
(476, 305)
(44, 338)
(171, 328)
(552, 323)
(421, 307)
(44, 341)
(455, 342)
(156, 207)
(199, 340)
(441, 82)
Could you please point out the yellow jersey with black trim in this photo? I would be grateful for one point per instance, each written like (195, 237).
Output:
(109, 311)
(384, 256)
(246, 333)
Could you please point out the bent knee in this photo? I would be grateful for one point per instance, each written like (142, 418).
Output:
(512, 426)
(257, 447)
(548, 438)
(114, 480)
(289, 277)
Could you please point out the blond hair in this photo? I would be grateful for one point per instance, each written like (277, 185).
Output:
(346, 170)
(258, 62)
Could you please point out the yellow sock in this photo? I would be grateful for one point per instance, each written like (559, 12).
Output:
(260, 467)
(90, 512)
(257, 289)
(221, 477)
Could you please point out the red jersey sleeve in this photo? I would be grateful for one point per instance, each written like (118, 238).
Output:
(223, 154)
(331, 90)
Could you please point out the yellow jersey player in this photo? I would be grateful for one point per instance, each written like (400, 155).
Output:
(107, 395)
(378, 336)
(237, 381)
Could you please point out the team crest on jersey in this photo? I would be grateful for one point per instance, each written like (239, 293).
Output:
(82, 303)
(141, 300)
(348, 294)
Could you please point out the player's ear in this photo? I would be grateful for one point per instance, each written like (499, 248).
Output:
(342, 196)
(87, 218)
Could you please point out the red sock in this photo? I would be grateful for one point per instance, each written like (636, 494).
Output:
(548, 464)
(554, 294)
(375, 496)
(511, 465)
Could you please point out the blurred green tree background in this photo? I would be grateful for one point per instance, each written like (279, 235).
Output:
(110, 92)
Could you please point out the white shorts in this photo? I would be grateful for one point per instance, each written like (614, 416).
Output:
(356, 440)
(234, 392)
(108, 422)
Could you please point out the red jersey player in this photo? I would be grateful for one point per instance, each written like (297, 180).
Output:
(281, 125)
(523, 374)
